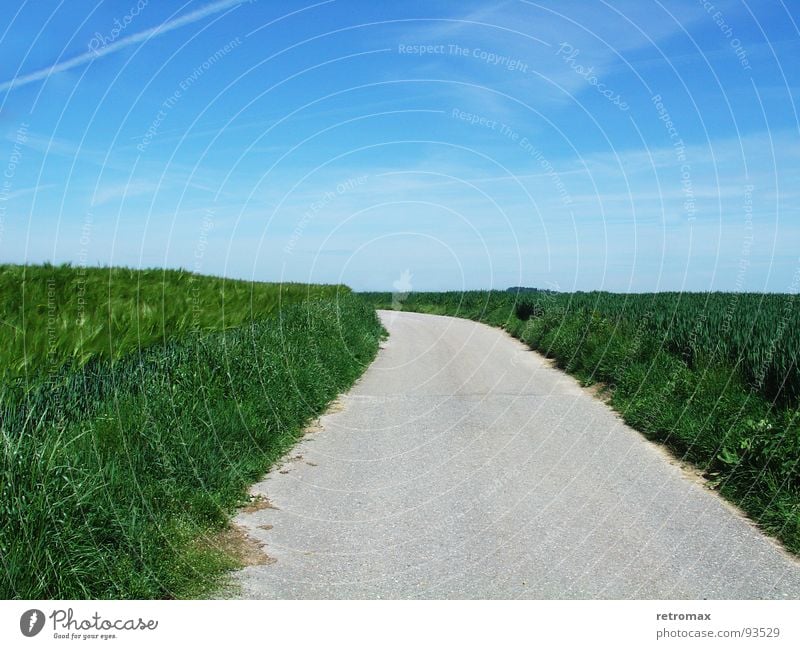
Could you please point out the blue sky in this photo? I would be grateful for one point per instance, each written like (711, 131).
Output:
(625, 146)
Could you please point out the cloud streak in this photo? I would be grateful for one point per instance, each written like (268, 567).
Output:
(153, 32)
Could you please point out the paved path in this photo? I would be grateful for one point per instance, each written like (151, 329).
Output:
(463, 466)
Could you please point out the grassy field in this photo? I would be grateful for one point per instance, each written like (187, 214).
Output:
(124, 452)
(52, 315)
(714, 376)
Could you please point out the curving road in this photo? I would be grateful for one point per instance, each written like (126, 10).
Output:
(462, 465)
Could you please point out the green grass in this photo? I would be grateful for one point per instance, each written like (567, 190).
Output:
(714, 376)
(118, 470)
(52, 315)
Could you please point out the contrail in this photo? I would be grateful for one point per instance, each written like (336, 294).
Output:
(194, 16)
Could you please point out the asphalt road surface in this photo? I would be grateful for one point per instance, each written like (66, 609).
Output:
(462, 465)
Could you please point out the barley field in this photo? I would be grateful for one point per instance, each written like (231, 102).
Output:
(56, 315)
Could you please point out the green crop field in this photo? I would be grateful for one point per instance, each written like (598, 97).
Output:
(51, 315)
(136, 407)
(715, 376)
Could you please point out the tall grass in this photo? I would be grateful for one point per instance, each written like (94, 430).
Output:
(115, 476)
(52, 315)
(714, 376)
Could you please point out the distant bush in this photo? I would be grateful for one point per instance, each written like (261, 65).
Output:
(526, 309)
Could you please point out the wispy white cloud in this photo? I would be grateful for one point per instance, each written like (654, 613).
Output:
(107, 193)
(29, 191)
(153, 32)
(51, 145)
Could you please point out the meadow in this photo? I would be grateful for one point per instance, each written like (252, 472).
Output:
(135, 409)
(714, 376)
(52, 315)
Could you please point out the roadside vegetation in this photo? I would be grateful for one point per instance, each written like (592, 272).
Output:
(714, 376)
(135, 413)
